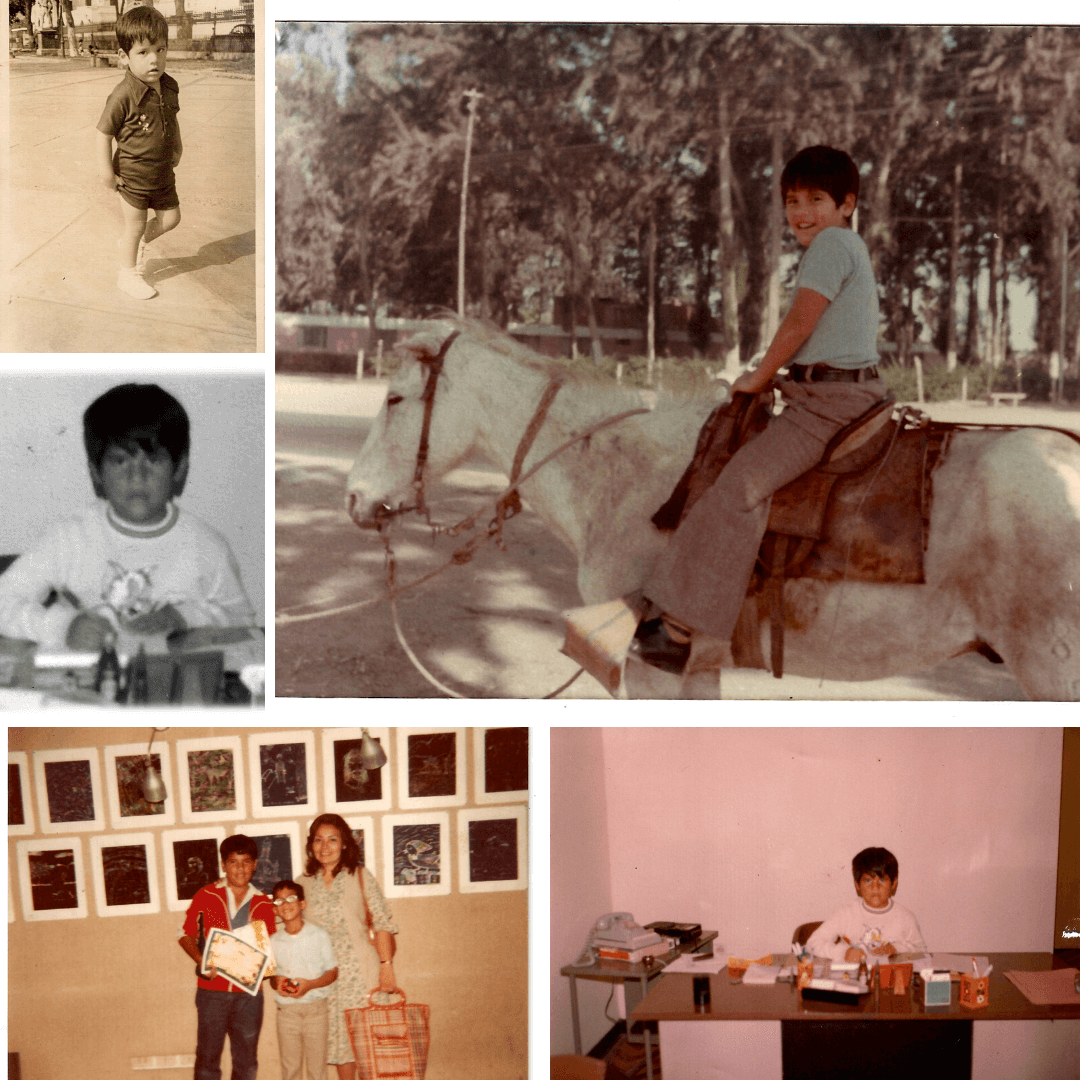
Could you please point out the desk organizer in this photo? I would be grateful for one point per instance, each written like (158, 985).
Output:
(974, 992)
(898, 976)
(937, 988)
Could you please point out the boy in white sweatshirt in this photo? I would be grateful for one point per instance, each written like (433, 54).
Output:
(874, 926)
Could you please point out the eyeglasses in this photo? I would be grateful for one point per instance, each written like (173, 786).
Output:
(285, 900)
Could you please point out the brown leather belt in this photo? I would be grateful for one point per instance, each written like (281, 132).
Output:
(827, 373)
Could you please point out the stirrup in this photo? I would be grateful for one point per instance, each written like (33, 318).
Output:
(599, 635)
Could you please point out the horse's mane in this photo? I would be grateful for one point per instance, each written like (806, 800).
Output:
(497, 340)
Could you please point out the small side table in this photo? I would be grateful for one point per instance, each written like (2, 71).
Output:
(634, 977)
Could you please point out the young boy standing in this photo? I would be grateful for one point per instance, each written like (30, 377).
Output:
(874, 927)
(133, 562)
(140, 115)
(306, 967)
(225, 1009)
(829, 342)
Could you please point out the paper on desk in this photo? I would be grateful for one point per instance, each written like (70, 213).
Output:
(958, 962)
(1046, 987)
(760, 975)
(711, 966)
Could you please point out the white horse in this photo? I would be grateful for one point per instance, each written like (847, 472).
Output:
(1002, 565)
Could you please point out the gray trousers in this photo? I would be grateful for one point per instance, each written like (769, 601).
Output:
(702, 577)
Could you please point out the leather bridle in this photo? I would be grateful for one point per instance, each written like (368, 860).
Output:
(510, 504)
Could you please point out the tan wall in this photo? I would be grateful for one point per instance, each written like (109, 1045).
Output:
(85, 996)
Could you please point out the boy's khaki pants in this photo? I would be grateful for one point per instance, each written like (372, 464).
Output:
(701, 578)
(302, 1033)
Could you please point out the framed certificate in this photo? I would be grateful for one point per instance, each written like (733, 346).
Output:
(236, 960)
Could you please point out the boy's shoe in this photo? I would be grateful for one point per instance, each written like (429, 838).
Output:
(129, 281)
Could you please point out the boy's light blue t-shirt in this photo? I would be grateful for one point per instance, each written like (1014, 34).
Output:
(837, 265)
(305, 955)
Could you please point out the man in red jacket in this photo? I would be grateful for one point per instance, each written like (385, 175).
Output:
(222, 1007)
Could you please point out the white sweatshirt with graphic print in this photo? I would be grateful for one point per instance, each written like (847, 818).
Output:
(868, 929)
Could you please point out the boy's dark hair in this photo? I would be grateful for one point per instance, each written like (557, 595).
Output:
(132, 416)
(822, 167)
(141, 24)
(875, 860)
(239, 844)
(298, 889)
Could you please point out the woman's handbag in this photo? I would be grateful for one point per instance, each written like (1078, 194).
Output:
(390, 1041)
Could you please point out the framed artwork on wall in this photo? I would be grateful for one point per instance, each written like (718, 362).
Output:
(431, 767)
(349, 787)
(124, 869)
(280, 855)
(192, 860)
(416, 854)
(492, 849)
(210, 781)
(125, 767)
(20, 808)
(68, 784)
(282, 773)
(51, 882)
(500, 765)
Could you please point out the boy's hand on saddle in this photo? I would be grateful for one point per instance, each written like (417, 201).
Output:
(163, 620)
(87, 632)
(751, 382)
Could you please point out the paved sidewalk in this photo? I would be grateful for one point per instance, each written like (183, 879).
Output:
(63, 224)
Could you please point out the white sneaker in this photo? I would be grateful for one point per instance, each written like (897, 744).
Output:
(128, 281)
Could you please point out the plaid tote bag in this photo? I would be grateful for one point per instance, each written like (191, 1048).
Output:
(390, 1042)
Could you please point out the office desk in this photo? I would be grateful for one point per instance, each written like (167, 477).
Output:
(619, 971)
(770, 1032)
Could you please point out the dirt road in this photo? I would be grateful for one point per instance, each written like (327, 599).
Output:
(489, 628)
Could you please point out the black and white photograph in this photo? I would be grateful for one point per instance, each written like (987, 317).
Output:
(135, 136)
(416, 853)
(125, 874)
(68, 784)
(282, 773)
(51, 881)
(113, 574)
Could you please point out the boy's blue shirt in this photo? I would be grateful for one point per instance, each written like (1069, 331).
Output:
(143, 121)
(837, 266)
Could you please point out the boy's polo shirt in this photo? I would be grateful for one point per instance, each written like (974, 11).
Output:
(143, 123)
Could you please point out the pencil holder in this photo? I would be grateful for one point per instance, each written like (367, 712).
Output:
(806, 973)
(974, 992)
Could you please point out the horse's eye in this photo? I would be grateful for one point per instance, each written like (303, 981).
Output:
(393, 399)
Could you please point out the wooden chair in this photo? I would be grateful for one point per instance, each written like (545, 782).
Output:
(802, 933)
(575, 1067)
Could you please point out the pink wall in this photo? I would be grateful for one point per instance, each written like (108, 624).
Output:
(580, 884)
(751, 831)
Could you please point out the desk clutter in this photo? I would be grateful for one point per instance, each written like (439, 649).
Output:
(191, 672)
(1058, 987)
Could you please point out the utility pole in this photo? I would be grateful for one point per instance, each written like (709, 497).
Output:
(473, 96)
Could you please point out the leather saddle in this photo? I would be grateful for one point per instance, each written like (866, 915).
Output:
(861, 514)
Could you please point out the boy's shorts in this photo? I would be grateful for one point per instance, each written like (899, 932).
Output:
(164, 198)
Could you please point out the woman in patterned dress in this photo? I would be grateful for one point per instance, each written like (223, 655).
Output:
(334, 902)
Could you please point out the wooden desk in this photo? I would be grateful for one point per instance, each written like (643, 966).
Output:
(813, 1031)
(619, 971)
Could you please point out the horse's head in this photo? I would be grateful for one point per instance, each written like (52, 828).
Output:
(426, 425)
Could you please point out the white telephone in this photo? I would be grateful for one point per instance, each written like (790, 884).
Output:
(617, 926)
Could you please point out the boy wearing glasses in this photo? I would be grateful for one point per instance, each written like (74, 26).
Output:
(305, 969)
